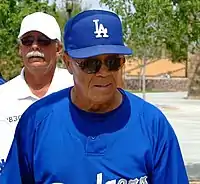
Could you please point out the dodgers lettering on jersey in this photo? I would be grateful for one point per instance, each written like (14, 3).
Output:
(132, 144)
(142, 180)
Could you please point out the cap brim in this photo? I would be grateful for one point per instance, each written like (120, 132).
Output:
(99, 50)
(27, 31)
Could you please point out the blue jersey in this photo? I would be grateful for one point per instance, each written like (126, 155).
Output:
(56, 142)
(2, 81)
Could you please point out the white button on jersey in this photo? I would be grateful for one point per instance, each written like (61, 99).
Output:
(93, 137)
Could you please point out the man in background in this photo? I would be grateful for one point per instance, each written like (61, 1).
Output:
(40, 48)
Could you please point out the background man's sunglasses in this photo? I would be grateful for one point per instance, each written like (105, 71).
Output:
(93, 65)
(29, 40)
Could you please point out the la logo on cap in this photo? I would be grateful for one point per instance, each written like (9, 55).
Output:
(101, 31)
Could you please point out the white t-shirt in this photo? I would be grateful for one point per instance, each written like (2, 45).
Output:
(15, 98)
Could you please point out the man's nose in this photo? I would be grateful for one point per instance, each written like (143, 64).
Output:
(103, 71)
(35, 45)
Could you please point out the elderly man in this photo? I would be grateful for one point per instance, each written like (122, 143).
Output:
(94, 133)
(40, 47)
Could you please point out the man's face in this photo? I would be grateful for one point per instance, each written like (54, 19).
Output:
(93, 79)
(38, 51)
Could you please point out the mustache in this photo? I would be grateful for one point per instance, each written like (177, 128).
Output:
(35, 54)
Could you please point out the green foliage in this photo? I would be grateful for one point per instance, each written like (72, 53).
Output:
(159, 24)
(11, 14)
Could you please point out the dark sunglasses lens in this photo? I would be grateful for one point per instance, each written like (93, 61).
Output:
(43, 41)
(91, 66)
(27, 41)
(114, 64)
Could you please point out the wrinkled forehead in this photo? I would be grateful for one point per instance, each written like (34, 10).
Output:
(34, 34)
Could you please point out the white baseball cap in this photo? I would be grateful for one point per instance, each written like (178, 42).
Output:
(41, 22)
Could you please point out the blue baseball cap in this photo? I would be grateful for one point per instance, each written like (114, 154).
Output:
(94, 32)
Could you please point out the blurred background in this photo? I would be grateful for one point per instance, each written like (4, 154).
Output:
(165, 66)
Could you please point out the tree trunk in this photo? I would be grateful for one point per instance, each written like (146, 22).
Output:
(194, 75)
(144, 78)
(120, 78)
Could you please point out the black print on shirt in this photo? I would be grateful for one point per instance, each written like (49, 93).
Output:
(13, 119)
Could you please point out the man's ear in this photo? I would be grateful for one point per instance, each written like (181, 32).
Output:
(19, 50)
(67, 60)
(19, 46)
(59, 49)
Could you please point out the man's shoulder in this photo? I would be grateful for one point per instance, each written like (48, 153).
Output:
(10, 86)
(10, 106)
(150, 115)
(8, 93)
(142, 105)
(46, 105)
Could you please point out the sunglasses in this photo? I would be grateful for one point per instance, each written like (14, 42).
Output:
(29, 40)
(93, 65)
